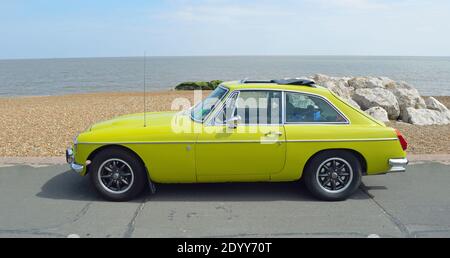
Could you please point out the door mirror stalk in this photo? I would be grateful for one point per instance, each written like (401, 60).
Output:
(234, 122)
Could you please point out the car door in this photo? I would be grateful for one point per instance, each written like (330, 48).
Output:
(312, 124)
(247, 149)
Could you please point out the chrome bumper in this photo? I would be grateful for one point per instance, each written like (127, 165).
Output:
(398, 165)
(70, 158)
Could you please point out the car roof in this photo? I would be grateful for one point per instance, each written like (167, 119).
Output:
(272, 85)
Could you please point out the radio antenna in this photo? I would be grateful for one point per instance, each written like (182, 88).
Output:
(145, 89)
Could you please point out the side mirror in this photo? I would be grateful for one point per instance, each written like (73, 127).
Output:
(234, 122)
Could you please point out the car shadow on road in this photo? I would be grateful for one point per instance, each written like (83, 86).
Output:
(251, 192)
(70, 186)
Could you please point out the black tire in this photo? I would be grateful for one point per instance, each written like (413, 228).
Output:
(340, 187)
(114, 158)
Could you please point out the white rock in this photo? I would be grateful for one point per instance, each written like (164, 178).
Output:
(378, 113)
(353, 103)
(386, 81)
(408, 97)
(395, 97)
(378, 97)
(342, 83)
(366, 82)
(339, 87)
(426, 117)
(346, 78)
(434, 104)
(402, 84)
(321, 78)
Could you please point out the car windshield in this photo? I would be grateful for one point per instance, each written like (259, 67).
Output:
(202, 109)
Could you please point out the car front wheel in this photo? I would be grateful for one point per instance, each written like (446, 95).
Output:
(333, 175)
(117, 175)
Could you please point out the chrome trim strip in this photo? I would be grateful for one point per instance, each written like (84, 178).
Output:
(218, 110)
(212, 111)
(348, 140)
(238, 92)
(199, 142)
(322, 123)
(347, 121)
(155, 142)
(213, 114)
(244, 141)
(283, 108)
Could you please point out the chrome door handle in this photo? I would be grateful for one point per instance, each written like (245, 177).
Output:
(274, 133)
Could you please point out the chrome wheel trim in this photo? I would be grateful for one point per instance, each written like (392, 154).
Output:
(335, 175)
(115, 176)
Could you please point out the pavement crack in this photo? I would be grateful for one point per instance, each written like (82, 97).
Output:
(43, 232)
(131, 224)
(400, 226)
(77, 217)
(82, 212)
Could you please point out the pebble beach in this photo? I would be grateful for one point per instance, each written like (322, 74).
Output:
(45, 126)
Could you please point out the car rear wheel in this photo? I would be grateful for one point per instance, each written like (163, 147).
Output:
(333, 175)
(117, 175)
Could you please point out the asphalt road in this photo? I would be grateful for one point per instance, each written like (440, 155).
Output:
(53, 202)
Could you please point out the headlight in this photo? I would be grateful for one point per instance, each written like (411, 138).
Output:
(69, 156)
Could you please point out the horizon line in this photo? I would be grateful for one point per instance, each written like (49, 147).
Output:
(202, 56)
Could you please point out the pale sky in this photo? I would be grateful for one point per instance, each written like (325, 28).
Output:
(109, 28)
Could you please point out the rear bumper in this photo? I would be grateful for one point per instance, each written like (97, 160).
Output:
(398, 165)
(70, 158)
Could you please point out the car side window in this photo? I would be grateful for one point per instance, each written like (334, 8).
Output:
(228, 110)
(254, 107)
(259, 107)
(304, 108)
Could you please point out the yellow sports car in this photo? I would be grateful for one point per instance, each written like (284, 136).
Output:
(245, 131)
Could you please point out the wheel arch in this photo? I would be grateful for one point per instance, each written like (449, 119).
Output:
(116, 146)
(357, 154)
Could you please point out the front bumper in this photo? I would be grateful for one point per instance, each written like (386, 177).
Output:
(398, 165)
(70, 158)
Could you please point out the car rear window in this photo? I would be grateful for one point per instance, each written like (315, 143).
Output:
(305, 108)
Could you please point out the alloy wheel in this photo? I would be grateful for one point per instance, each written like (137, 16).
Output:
(116, 176)
(334, 175)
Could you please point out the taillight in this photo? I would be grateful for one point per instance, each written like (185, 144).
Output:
(402, 140)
